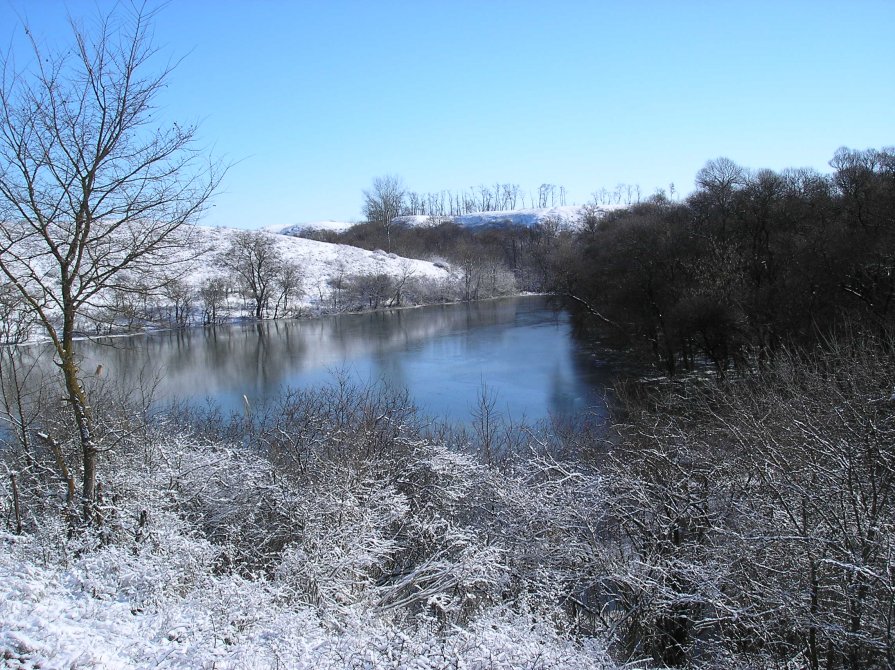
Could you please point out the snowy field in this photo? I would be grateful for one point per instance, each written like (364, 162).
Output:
(566, 216)
(199, 255)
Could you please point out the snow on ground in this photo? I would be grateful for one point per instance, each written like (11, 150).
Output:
(299, 228)
(73, 617)
(48, 621)
(319, 261)
(198, 256)
(163, 604)
(567, 216)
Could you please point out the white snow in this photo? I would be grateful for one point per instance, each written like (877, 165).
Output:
(319, 261)
(198, 257)
(164, 602)
(567, 216)
(48, 620)
(299, 228)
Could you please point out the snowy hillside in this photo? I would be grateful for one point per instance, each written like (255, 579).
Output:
(568, 216)
(319, 261)
(177, 285)
(301, 228)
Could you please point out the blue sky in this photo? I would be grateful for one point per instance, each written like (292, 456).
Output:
(312, 100)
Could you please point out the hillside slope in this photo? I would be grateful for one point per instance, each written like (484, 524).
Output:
(174, 279)
(319, 261)
(568, 216)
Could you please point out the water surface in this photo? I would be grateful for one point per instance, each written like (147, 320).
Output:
(519, 349)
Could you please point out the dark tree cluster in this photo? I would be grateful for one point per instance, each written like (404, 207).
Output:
(747, 523)
(524, 251)
(750, 261)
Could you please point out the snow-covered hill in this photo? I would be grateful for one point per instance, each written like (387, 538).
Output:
(312, 226)
(319, 261)
(568, 216)
(199, 256)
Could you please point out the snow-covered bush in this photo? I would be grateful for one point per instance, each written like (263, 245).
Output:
(323, 531)
(752, 519)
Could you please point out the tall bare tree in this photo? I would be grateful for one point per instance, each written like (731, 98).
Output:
(93, 189)
(384, 202)
(254, 259)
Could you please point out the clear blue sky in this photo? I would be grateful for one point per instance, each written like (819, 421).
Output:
(312, 100)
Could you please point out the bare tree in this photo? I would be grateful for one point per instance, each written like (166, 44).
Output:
(719, 178)
(373, 290)
(384, 202)
(400, 282)
(179, 296)
(486, 198)
(89, 188)
(510, 194)
(213, 294)
(337, 283)
(589, 218)
(15, 321)
(289, 286)
(470, 263)
(257, 263)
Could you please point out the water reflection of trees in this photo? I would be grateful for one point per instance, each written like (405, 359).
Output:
(267, 356)
(441, 353)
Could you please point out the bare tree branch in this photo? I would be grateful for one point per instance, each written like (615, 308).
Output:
(93, 188)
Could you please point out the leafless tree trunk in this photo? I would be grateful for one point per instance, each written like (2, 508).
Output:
(15, 504)
(384, 202)
(89, 191)
(180, 297)
(255, 260)
(213, 294)
(289, 286)
(399, 283)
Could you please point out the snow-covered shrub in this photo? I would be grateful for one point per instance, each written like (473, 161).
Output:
(430, 290)
(226, 621)
(169, 565)
(325, 530)
(350, 528)
(369, 291)
(752, 518)
(502, 638)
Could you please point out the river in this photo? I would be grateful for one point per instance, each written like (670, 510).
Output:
(520, 350)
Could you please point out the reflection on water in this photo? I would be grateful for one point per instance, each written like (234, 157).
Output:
(519, 348)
